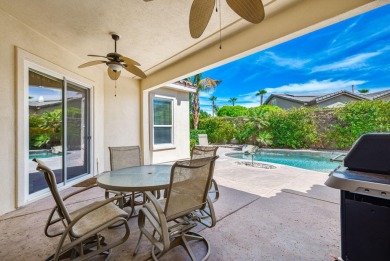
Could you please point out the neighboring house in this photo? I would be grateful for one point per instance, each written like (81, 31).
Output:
(331, 100)
(382, 95)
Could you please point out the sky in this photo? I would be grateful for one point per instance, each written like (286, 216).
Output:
(352, 52)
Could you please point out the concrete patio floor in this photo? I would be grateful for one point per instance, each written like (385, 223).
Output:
(278, 214)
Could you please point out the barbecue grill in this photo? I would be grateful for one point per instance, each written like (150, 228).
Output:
(364, 181)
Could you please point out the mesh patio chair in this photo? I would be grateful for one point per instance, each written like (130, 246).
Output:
(83, 226)
(171, 219)
(203, 152)
(125, 157)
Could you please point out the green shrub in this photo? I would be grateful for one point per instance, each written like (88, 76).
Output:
(358, 118)
(232, 111)
(260, 111)
(219, 130)
(192, 144)
(292, 128)
(247, 129)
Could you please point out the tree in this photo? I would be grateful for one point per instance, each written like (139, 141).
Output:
(232, 100)
(363, 91)
(261, 94)
(201, 84)
(213, 99)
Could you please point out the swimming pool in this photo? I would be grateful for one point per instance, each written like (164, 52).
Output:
(42, 154)
(311, 160)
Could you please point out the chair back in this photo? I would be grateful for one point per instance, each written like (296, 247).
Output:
(203, 152)
(189, 186)
(124, 157)
(52, 184)
(203, 140)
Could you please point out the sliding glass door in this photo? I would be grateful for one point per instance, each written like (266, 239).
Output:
(58, 129)
(77, 134)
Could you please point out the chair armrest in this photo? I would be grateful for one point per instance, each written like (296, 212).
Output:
(149, 195)
(78, 191)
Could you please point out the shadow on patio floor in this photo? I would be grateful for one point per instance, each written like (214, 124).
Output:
(288, 226)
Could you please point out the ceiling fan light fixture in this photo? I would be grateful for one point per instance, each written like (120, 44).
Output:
(115, 67)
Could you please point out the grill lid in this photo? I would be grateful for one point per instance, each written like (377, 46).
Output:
(370, 153)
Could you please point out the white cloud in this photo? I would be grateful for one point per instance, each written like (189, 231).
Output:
(315, 87)
(352, 62)
(291, 63)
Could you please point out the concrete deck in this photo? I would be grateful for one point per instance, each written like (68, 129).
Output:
(278, 214)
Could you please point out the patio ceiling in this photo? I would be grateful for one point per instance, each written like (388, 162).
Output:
(153, 33)
(156, 33)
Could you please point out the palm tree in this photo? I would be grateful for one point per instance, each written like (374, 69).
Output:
(232, 100)
(363, 91)
(213, 99)
(201, 84)
(261, 94)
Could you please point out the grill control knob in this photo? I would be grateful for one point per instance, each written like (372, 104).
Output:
(383, 193)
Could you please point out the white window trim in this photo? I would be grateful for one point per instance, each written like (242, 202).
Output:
(156, 147)
(26, 61)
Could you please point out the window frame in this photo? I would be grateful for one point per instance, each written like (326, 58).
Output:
(162, 146)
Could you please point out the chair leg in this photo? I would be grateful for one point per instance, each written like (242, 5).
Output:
(138, 244)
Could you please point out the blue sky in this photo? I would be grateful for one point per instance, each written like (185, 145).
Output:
(353, 52)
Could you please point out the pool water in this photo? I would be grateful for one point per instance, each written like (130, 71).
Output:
(42, 154)
(305, 160)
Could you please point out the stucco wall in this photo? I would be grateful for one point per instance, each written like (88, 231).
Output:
(121, 114)
(16, 34)
(181, 128)
(284, 104)
(341, 98)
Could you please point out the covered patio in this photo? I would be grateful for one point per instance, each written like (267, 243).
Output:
(279, 214)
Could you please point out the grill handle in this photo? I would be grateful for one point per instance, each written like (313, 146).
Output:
(338, 156)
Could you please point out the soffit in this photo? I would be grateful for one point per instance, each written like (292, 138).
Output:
(153, 33)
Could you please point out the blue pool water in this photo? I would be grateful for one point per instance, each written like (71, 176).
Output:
(305, 160)
(42, 154)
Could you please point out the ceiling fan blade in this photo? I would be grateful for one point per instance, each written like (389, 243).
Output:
(250, 10)
(200, 14)
(113, 75)
(135, 70)
(127, 60)
(91, 63)
(94, 55)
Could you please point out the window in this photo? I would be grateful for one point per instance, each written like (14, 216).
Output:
(162, 121)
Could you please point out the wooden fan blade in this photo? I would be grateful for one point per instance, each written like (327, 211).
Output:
(113, 75)
(129, 61)
(250, 10)
(200, 14)
(91, 63)
(135, 70)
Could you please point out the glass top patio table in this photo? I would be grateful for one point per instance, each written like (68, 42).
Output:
(140, 178)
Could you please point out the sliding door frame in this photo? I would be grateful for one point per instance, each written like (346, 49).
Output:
(25, 62)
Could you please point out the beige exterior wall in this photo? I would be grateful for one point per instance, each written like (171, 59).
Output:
(121, 115)
(284, 104)
(181, 128)
(340, 99)
(18, 35)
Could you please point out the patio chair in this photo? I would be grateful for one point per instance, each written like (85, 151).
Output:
(203, 140)
(83, 226)
(125, 157)
(171, 218)
(203, 152)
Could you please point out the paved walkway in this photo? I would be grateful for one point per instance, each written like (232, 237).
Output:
(278, 214)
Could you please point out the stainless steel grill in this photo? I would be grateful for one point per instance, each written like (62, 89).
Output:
(364, 181)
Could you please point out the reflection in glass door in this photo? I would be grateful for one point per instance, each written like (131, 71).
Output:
(77, 131)
(58, 130)
(45, 127)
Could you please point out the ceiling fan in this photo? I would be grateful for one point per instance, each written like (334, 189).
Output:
(116, 62)
(201, 11)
